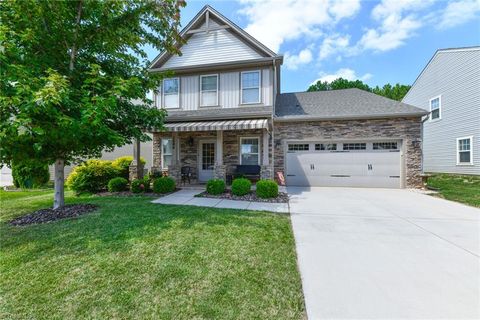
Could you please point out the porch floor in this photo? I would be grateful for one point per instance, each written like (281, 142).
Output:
(187, 197)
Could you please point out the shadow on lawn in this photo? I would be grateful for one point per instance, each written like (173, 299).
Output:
(116, 226)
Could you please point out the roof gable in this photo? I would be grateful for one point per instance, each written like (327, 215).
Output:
(212, 38)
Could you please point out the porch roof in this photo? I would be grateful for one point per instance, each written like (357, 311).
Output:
(218, 125)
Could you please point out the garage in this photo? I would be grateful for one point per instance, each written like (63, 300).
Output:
(374, 164)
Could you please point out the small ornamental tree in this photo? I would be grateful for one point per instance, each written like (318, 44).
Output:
(73, 77)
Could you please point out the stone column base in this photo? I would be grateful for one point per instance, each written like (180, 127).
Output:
(174, 172)
(266, 172)
(220, 172)
(135, 171)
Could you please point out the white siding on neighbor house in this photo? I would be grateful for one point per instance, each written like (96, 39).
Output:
(214, 47)
(455, 76)
(146, 152)
(228, 86)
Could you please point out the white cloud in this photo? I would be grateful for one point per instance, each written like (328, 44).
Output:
(292, 62)
(333, 45)
(344, 73)
(273, 22)
(459, 12)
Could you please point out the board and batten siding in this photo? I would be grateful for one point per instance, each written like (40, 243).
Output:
(214, 47)
(229, 90)
(454, 75)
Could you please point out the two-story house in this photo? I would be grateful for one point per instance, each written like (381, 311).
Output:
(225, 109)
(449, 89)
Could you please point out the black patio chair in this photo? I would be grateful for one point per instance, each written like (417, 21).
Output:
(186, 174)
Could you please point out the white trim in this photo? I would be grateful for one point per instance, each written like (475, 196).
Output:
(439, 97)
(201, 91)
(471, 151)
(240, 148)
(164, 167)
(259, 87)
(178, 93)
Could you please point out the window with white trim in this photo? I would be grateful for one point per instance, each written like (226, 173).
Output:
(464, 150)
(209, 90)
(167, 152)
(435, 108)
(249, 151)
(250, 87)
(171, 90)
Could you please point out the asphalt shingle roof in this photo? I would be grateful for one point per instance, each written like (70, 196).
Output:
(340, 104)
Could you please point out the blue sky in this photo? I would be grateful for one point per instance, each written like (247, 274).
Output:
(379, 42)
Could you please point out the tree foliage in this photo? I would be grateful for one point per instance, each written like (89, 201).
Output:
(396, 92)
(73, 75)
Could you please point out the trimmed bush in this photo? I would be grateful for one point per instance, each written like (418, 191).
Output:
(163, 185)
(117, 184)
(123, 163)
(30, 174)
(215, 186)
(139, 185)
(241, 186)
(91, 176)
(267, 189)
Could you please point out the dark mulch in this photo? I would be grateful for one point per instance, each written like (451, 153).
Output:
(48, 215)
(282, 197)
(131, 194)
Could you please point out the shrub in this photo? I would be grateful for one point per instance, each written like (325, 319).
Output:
(163, 185)
(241, 186)
(215, 186)
(91, 176)
(30, 174)
(267, 189)
(139, 185)
(123, 163)
(117, 184)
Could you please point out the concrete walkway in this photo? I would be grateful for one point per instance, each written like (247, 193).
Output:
(386, 254)
(187, 197)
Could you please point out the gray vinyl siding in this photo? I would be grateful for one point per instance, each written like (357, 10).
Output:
(213, 47)
(229, 90)
(455, 76)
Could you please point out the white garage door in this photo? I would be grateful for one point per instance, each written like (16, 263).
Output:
(344, 164)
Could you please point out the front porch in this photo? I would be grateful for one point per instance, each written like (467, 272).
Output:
(213, 149)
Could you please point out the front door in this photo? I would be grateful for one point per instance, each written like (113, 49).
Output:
(206, 161)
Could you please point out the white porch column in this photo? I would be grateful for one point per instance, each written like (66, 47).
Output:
(219, 148)
(265, 148)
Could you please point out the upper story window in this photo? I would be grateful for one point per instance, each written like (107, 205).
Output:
(171, 97)
(435, 105)
(209, 90)
(250, 87)
(464, 150)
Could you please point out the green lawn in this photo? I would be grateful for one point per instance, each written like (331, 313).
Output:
(465, 189)
(134, 259)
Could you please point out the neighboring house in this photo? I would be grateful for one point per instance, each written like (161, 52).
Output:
(225, 109)
(449, 89)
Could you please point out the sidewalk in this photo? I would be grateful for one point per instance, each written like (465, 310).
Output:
(187, 197)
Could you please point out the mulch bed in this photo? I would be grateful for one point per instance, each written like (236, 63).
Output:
(49, 215)
(282, 197)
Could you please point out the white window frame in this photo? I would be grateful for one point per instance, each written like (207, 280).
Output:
(471, 151)
(439, 97)
(164, 167)
(178, 93)
(201, 91)
(240, 151)
(259, 87)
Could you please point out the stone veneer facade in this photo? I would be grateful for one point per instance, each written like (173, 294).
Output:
(406, 129)
(189, 151)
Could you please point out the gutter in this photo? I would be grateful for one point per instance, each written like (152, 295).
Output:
(189, 118)
(346, 117)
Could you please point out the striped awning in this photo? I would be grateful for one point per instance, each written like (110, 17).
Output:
(218, 125)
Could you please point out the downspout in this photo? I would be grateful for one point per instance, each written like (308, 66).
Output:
(421, 137)
(273, 115)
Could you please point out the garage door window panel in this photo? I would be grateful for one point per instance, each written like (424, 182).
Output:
(385, 146)
(325, 146)
(354, 146)
(298, 147)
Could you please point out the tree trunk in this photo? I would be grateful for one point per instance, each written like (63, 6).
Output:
(59, 198)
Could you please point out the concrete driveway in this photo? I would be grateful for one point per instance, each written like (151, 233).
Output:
(381, 253)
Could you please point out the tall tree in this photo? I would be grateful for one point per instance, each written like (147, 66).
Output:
(396, 92)
(73, 77)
